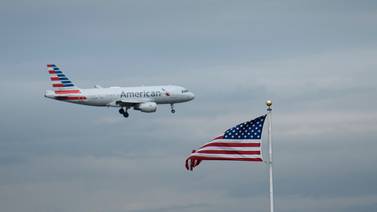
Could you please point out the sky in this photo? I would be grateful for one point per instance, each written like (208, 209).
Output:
(316, 60)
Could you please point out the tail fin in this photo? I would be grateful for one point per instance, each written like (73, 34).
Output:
(60, 81)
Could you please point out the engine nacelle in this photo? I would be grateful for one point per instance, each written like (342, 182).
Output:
(147, 107)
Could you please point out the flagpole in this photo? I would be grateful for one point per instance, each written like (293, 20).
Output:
(269, 110)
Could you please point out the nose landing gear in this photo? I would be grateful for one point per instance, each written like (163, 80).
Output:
(172, 108)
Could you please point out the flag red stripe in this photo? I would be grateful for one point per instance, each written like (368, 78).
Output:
(222, 144)
(229, 152)
(54, 78)
(51, 72)
(219, 137)
(221, 158)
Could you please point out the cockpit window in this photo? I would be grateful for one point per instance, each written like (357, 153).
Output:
(185, 91)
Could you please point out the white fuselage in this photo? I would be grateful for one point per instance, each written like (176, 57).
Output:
(115, 96)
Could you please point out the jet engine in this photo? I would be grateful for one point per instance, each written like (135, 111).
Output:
(146, 107)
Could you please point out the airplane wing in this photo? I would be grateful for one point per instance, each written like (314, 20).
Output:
(128, 102)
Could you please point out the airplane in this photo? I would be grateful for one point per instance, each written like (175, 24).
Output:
(143, 98)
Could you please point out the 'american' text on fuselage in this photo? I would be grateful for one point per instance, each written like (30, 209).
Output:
(140, 94)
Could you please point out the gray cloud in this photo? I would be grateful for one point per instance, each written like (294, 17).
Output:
(315, 59)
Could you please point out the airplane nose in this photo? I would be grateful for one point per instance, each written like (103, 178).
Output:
(191, 95)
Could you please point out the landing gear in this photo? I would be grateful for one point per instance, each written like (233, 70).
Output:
(172, 108)
(124, 112)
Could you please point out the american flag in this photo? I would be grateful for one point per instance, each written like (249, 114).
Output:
(240, 143)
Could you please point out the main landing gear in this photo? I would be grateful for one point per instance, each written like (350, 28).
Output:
(172, 108)
(124, 112)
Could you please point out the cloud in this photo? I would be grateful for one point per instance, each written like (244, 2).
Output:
(316, 63)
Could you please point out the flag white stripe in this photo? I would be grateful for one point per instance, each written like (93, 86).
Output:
(231, 148)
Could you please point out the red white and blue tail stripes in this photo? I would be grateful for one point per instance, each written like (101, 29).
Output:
(58, 78)
(63, 87)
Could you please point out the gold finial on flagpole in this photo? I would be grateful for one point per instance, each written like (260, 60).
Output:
(269, 104)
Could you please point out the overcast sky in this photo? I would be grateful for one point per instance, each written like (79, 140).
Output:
(315, 59)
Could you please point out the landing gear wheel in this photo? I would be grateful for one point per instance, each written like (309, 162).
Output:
(121, 111)
(172, 108)
(125, 114)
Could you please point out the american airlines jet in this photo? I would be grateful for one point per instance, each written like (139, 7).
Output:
(144, 98)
